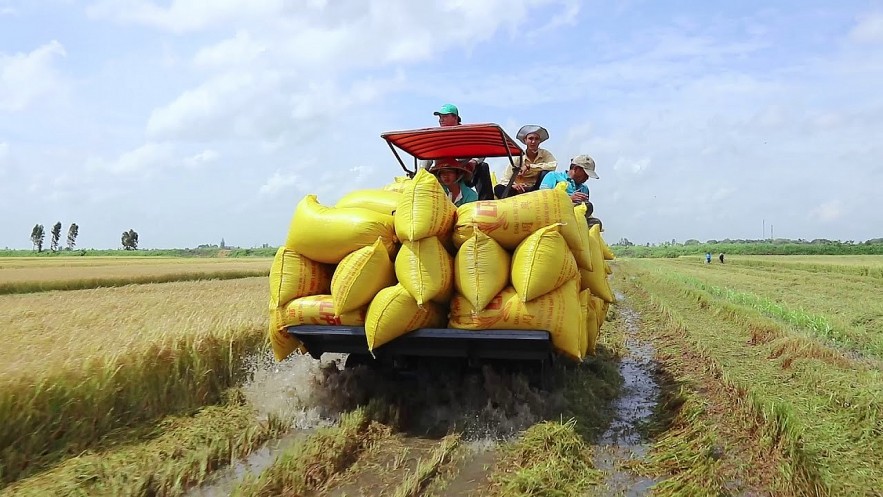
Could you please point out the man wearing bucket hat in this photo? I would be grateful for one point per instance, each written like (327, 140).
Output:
(582, 167)
(454, 175)
(532, 166)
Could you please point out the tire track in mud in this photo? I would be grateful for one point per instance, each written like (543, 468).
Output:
(486, 408)
(623, 441)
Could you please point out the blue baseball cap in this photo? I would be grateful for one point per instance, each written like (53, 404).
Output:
(447, 109)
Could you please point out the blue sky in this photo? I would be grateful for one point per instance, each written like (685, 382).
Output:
(190, 121)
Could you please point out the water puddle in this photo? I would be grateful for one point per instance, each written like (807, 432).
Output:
(623, 441)
(283, 389)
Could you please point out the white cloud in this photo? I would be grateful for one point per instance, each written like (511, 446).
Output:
(26, 77)
(829, 211)
(183, 16)
(278, 182)
(239, 50)
(632, 166)
(201, 159)
(142, 160)
(869, 29)
(5, 157)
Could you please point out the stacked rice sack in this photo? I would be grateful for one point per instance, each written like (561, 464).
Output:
(403, 258)
(529, 262)
(333, 263)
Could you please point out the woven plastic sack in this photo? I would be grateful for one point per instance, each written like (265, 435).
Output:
(583, 255)
(481, 269)
(282, 343)
(424, 209)
(293, 275)
(398, 184)
(382, 201)
(605, 250)
(541, 263)
(510, 220)
(592, 327)
(394, 312)
(328, 234)
(359, 277)
(597, 278)
(426, 270)
(318, 309)
(557, 312)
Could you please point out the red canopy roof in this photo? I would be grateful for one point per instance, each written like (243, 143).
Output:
(467, 140)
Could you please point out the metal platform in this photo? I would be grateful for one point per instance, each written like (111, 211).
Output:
(429, 342)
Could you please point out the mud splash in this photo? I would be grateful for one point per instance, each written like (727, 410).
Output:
(481, 404)
(623, 440)
(283, 390)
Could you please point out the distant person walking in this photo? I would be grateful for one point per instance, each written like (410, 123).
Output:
(721, 257)
(708, 257)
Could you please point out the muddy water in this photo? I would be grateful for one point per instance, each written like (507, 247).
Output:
(283, 389)
(622, 441)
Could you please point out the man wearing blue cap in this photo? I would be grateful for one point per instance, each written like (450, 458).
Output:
(449, 115)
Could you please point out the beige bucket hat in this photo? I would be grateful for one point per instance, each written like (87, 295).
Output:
(587, 163)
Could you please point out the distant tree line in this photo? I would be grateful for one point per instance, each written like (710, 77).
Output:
(38, 236)
(129, 239)
(779, 246)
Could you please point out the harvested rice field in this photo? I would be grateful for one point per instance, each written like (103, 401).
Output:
(760, 376)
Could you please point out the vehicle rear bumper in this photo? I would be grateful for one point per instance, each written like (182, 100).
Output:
(429, 342)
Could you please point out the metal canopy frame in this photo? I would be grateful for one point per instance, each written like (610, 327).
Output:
(463, 141)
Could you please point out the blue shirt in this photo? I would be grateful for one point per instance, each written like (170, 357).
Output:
(553, 178)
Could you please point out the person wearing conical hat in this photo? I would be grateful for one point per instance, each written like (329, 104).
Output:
(531, 166)
(454, 175)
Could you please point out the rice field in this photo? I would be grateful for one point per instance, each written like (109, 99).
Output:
(765, 377)
(37, 274)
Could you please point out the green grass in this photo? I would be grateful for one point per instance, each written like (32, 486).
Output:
(820, 406)
(307, 466)
(550, 459)
(176, 454)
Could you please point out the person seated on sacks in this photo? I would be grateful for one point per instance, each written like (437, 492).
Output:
(453, 175)
(582, 167)
(532, 166)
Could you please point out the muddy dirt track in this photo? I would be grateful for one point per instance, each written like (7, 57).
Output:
(450, 428)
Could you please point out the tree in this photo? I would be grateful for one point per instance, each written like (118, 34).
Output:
(223, 245)
(38, 234)
(130, 240)
(72, 233)
(56, 234)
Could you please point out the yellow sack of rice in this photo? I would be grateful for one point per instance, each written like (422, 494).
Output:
(557, 312)
(541, 263)
(394, 312)
(293, 275)
(481, 269)
(607, 268)
(605, 250)
(584, 255)
(425, 269)
(359, 277)
(319, 309)
(600, 310)
(398, 184)
(585, 301)
(328, 234)
(382, 201)
(597, 279)
(424, 209)
(510, 220)
(592, 327)
(281, 342)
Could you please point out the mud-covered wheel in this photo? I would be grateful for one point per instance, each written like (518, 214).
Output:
(363, 360)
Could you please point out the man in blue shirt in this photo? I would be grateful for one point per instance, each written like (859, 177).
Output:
(582, 167)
